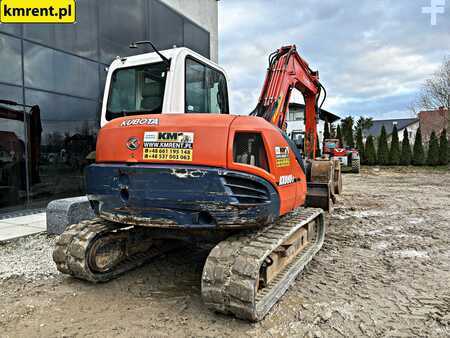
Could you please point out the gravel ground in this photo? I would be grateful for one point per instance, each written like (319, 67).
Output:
(384, 270)
(28, 258)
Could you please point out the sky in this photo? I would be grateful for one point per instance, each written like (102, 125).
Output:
(372, 55)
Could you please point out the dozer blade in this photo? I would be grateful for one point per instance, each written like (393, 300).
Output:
(319, 196)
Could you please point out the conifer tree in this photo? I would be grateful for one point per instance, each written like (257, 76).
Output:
(370, 151)
(433, 150)
(405, 158)
(360, 146)
(332, 130)
(347, 131)
(383, 150)
(418, 152)
(394, 151)
(318, 152)
(326, 131)
(443, 148)
(339, 135)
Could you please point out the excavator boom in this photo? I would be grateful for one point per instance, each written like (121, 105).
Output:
(287, 71)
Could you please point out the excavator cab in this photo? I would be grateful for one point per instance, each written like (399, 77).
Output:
(145, 84)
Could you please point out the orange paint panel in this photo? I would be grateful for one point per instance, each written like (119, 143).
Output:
(292, 194)
(208, 147)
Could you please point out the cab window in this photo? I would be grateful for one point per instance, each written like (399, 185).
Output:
(137, 90)
(206, 89)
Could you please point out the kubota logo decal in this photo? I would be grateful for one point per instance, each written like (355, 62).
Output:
(133, 143)
(140, 122)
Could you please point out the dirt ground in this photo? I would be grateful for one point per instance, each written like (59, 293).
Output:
(384, 270)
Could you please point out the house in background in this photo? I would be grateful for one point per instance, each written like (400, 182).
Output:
(435, 120)
(296, 121)
(411, 125)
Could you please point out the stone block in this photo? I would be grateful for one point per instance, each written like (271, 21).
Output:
(64, 212)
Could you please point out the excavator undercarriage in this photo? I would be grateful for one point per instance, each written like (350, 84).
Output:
(245, 274)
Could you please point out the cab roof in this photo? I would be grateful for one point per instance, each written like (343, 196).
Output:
(145, 58)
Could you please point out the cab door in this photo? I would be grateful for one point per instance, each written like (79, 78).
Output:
(205, 88)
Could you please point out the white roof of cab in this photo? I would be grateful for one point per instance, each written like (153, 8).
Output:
(174, 53)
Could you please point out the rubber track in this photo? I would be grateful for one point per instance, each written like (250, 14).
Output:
(71, 247)
(231, 272)
(356, 166)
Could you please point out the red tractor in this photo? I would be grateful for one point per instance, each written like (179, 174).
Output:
(348, 156)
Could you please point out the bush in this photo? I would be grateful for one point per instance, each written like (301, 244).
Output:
(394, 152)
(443, 148)
(383, 150)
(370, 151)
(418, 152)
(433, 150)
(405, 158)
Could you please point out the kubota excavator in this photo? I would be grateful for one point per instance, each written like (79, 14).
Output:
(173, 165)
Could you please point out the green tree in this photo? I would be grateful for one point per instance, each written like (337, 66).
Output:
(370, 151)
(418, 152)
(394, 151)
(383, 150)
(318, 152)
(332, 130)
(405, 158)
(364, 123)
(360, 146)
(339, 135)
(347, 131)
(443, 148)
(433, 150)
(326, 131)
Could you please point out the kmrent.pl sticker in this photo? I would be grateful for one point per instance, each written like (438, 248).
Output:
(37, 11)
(168, 146)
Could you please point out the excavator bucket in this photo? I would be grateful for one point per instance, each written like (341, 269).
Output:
(319, 196)
(321, 187)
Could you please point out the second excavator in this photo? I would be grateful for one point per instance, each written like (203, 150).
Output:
(172, 165)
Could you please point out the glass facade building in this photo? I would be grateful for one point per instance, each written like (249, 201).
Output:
(58, 72)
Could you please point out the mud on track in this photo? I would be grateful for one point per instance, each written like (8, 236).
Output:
(384, 270)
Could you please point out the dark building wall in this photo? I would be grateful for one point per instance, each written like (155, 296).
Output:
(60, 68)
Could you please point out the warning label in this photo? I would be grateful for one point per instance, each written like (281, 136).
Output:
(168, 146)
(282, 157)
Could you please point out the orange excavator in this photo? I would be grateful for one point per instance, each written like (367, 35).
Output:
(172, 165)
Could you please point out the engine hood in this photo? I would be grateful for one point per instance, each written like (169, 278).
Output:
(194, 139)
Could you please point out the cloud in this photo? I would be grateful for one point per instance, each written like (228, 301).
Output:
(372, 56)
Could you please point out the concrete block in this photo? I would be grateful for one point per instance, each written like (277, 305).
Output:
(64, 212)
